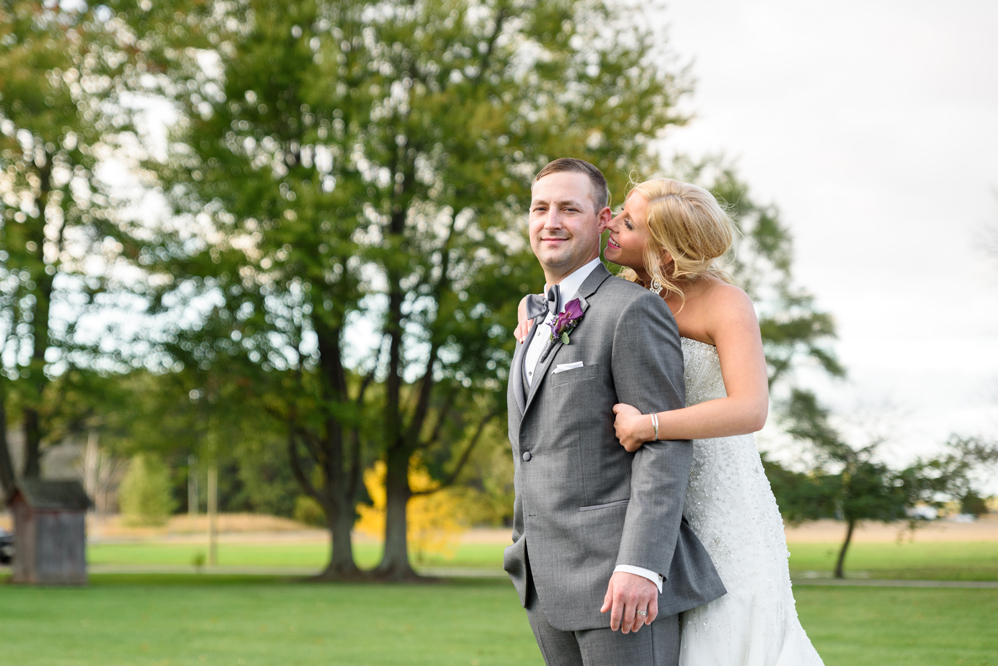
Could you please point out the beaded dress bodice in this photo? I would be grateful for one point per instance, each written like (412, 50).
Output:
(731, 507)
(729, 497)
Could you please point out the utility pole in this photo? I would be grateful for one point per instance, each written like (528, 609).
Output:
(192, 487)
(91, 475)
(212, 514)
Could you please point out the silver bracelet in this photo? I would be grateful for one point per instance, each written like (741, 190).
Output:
(654, 422)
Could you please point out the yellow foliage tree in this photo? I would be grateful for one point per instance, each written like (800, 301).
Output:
(433, 521)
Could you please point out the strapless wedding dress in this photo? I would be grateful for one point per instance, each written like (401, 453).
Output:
(731, 507)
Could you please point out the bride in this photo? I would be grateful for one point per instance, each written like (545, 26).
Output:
(669, 237)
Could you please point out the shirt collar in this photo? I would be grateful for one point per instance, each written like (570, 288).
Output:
(569, 287)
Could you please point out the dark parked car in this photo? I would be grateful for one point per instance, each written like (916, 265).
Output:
(6, 547)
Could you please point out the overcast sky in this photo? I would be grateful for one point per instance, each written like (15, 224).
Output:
(874, 127)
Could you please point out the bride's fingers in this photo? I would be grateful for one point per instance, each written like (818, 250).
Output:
(521, 331)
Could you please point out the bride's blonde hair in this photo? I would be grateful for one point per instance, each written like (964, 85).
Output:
(687, 222)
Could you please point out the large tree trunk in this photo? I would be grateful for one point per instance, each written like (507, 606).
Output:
(395, 561)
(39, 327)
(7, 476)
(842, 553)
(337, 503)
(341, 565)
(32, 444)
(336, 495)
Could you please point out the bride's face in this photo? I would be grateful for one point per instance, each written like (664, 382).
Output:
(628, 234)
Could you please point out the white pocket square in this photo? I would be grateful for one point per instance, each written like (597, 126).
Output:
(566, 366)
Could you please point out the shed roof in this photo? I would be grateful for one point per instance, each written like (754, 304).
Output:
(49, 494)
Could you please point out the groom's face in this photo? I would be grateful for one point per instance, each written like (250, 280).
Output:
(564, 223)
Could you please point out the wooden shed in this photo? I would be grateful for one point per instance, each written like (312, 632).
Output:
(50, 534)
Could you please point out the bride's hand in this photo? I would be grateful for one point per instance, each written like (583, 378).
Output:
(633, 428)
(522, 323)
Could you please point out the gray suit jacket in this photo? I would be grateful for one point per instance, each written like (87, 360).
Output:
(583, 503)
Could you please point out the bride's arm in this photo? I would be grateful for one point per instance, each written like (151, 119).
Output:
(734, 329)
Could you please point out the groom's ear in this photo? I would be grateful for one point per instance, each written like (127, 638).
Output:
(604, 218)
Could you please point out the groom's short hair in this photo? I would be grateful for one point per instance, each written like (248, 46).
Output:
(597, 182)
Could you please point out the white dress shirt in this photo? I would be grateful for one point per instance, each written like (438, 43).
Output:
(569, 288)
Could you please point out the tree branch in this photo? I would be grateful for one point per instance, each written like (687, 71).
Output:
(441, 417)
(465, 456)
(297, 470)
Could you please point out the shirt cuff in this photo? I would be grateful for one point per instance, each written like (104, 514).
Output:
(644, 573)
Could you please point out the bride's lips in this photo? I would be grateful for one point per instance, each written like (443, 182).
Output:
(610, 243)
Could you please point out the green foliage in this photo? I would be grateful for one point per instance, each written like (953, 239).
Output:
(144, 495)
(266, 479)
(65, 235)
(800, 496)
(973, 504)
(350, 163)
(308, 511)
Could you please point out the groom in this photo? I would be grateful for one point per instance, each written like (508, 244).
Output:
(602, 558)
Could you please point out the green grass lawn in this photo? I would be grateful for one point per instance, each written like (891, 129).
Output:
(906, 561)
(276, 555)
(189, 619)
(939, 561)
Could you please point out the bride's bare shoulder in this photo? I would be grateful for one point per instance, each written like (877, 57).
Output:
(717, 293)
(724, 305)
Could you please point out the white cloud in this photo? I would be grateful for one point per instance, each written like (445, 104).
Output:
(874, 128)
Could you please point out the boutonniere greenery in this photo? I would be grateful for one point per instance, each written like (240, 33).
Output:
(566, 321)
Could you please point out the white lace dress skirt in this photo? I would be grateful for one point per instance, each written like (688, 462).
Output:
(731, 507)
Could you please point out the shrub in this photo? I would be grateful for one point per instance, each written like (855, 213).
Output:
(144, 495)
(433, 521)
(309, 511)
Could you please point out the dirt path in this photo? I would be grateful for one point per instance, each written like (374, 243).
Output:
(830, 531)
(243, 528)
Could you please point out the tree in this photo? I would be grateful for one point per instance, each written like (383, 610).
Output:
(851, 484)
(369, 163)
(61, 243)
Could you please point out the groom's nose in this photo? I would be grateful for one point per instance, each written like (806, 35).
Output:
(553, 220)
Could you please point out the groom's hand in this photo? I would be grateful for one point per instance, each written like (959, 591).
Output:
(625, 596)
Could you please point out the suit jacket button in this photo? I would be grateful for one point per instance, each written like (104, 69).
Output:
(526, 456)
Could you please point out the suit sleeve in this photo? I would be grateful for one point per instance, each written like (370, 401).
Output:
(647, 367)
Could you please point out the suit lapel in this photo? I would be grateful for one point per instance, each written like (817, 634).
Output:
(588, 288)
(516, 370)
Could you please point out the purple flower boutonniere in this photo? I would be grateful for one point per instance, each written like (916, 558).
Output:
(566, 321)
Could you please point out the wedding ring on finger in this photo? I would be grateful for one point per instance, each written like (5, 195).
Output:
(641, 613)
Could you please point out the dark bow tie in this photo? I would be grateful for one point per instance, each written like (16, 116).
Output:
(539, 305)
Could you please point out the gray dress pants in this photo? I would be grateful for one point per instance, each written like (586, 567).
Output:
(656, 644)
